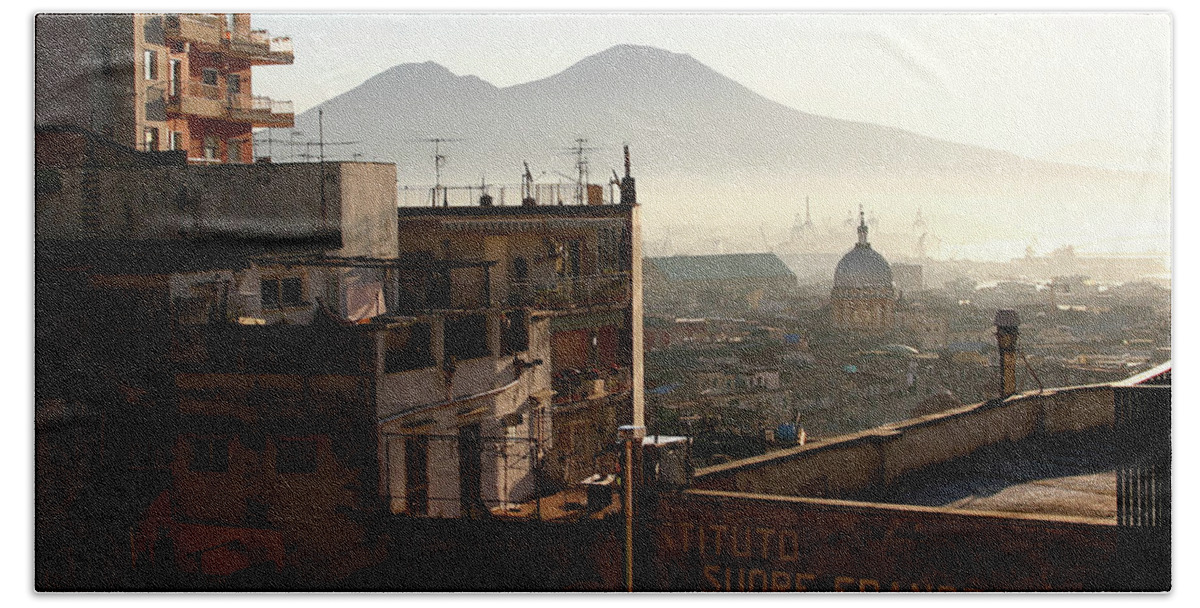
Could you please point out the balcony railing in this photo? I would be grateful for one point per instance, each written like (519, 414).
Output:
(281, 44)
(260, 44)
(198, 88)
(260, 37)
(572, 385)
(196, 27)
(571, 292)
(213, 30)
(272, 106)
(505, 195)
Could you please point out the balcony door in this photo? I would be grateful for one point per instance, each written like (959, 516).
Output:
(470, 472)
(416, 474)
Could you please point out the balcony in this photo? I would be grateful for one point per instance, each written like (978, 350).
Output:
(261, 48)
(212, 101)
(572, 292)
(445, 285)
(199, 99)
(262, 111)
(206, 29)
(575, 385)
(212, 32)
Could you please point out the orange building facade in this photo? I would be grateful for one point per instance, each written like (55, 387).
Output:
(161, 82)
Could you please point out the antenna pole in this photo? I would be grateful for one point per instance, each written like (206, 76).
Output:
(581, 167)
(321, 151)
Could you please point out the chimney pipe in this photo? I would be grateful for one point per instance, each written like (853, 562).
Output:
(1007, 323)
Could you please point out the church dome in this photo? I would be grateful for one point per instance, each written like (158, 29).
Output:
(862, 267)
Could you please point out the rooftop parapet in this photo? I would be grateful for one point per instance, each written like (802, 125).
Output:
(872, 460)
(352, 202)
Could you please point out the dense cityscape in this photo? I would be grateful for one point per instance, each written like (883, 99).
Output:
(742, 355)
(261, 369)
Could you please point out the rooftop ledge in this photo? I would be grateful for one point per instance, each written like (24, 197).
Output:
(937, 460)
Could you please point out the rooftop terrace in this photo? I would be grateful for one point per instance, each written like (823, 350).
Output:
(1065, 474)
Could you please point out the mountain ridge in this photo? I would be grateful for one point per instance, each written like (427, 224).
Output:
(709, 150)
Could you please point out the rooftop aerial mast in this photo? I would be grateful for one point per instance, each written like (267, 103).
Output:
(439, 161)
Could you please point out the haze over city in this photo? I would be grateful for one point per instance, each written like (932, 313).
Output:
(1087, 90)
(499, 302)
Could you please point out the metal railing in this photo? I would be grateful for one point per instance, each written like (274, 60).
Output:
(281, 44)
(198, 88)
(574, 385)
(572, 292)
(262, 103)
(261, 37)
(503, 195)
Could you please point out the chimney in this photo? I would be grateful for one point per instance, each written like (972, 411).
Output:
(628, 191)
(1007, 323)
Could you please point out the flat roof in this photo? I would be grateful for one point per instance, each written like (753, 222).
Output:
(1061, 474)
(516, 210)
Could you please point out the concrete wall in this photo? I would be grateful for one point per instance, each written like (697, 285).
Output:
(306, 507)
(368, 206)
(85, 74)
(720, 541)
(232, 201)
(853, 463)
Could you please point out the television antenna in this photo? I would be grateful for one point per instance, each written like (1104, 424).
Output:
(439, 161)
(581, 167)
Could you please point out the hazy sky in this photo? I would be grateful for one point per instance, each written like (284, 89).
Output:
(1090, 88)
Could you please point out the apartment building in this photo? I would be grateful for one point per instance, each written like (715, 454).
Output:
(250, 364)
(206, 357)
(532, 318)
(157, 82)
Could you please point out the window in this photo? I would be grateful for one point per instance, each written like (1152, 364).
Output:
(156, 105)
(210, 454)
(151, 139)
(211, 148)
(235, 150)
(177, 140)
(234, 83)
(514, 332)
(296, 455)
(153, 30)
(150, 67)
(611, 245)
(408, 348)
(209, 77)
(466, 337)
(282, 293)
(174, 77)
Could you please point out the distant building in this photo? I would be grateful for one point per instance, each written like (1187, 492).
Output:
(732, 282)
(909, 277)
(160, 82)
(863, 297)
